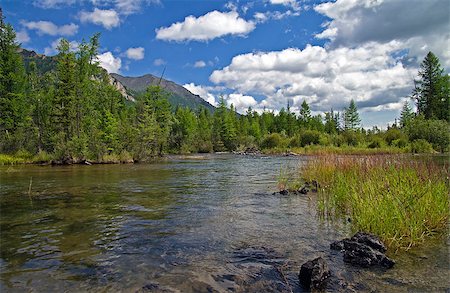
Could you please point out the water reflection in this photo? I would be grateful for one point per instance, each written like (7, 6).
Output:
(186, 224)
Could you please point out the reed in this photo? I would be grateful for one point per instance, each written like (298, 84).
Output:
(402, 200)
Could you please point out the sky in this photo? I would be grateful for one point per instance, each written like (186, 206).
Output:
(261, 54)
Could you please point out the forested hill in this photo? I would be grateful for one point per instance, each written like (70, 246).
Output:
(179, 96)
(130, 87)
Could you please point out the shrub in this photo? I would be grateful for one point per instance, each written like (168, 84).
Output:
(337, 140)
(272, 140)
(435, 132)
(393, 134)
(375, 143)
(400, 143)
(421, 146)
(309, 137)
(351, 138)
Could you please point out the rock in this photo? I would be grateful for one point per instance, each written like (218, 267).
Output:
(363, 249)
(337, 245)
(370, 240)
(304, 190)
(363, 255)
(314, 273)
(284, 192)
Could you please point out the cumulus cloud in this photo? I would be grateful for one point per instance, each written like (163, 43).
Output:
(107, 18)
(22, 37)
(203, 92)
(159, 62)
(135, 53)
(199, 64)
(212, 25)
(240, 102)
(49, 28)
(325, 78)
(109, 62)
(52, 49)
(421, 25)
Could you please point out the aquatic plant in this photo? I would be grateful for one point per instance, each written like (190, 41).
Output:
(402, 200)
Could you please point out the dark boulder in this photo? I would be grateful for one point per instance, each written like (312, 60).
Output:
(363, 255)
(363, 249)
(337, 245)
(370, 240)
(314, 273)
(304, 190)
(284, 192)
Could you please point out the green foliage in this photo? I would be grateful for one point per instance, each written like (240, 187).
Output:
(351, 117)
(351, 137)
(406, 115)
(436, 132)
(272, 140)
(420, 146)
(375, 143)
(393, 134)
(432, 91)
(309, 137)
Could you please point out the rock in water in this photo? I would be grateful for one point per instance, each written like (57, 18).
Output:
(364, 255)
(314, 273)
(370, 240)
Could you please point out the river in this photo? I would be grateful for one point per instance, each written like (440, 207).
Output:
(204, 223)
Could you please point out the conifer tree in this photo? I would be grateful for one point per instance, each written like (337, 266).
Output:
(351, 117)
(406, 115)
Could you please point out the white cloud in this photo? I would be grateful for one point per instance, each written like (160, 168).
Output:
(421, 25)
(240, 102)
(159, 62)
(212, 25)
(49, 28)
(127, 7)
(109, 62)
(135, 53)
(52, 50)
(108, 18)
(199, 64)
(203, 92)
(325, 78)
(22, 37)
(52, 3)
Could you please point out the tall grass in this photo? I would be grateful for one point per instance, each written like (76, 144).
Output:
(401, 200)
(342, 150)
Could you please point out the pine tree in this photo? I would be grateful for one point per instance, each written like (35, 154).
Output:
(13, 106)
(432, 89)
(406, 115)
(351, 117)
(305, 114)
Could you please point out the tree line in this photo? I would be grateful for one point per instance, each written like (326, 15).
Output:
(75, 112)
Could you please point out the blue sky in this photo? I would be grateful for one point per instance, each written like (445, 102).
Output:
(255, 53)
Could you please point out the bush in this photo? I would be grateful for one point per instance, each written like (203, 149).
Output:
(352, 138)
(393, 134)
(309, 137)
(421, 146)
(325, 139)
(271, 141)
(435, 132)
(337, 140)
(375, 143)
(400, 143)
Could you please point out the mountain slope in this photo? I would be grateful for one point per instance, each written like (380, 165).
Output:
(179, 96)
(129, 87)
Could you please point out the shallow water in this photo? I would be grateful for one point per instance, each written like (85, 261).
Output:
(189, 224)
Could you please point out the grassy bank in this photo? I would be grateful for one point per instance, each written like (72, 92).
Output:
(334, 150)
(401, 200)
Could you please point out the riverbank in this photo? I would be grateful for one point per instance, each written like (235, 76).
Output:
(403, 201)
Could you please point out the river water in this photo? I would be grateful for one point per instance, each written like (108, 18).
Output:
(189, 224)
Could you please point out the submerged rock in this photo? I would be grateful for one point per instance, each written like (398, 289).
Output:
(363, 249)
(363, 255)
(314, 273)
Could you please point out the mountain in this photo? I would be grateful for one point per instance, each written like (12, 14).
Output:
(179, 96)
(129, 87)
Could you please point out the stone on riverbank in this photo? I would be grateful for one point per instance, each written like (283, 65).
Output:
(314, 273)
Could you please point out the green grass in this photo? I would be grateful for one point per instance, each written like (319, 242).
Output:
(401, 200)
(343, 150)
(10, 160)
